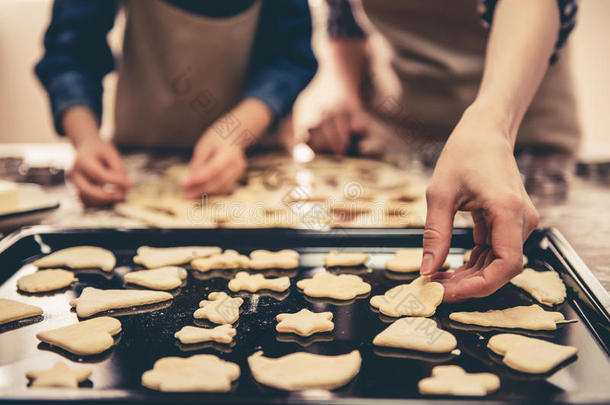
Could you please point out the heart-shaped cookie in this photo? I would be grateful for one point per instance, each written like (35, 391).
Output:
(418, 298)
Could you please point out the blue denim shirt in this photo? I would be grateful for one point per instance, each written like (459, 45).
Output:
(77, 55)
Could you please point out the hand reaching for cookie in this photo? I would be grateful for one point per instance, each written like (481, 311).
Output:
(219, 158)
(476, 172)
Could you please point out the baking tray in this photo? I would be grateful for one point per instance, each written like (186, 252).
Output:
(386, 376)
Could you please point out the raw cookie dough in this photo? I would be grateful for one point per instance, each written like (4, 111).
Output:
(152, 257)
(421, 334)
(418, 298)
(199, 373)
(301, 371)
(45, 280)
(14, 311)
(256, 282)
(79, 257)
(305, 322)
(531, 317)
(545, 286)
(453, 380)
(59, 376)
(219, 308)
(265, 259)
(93, 300)
(10, 200)
(408, 260)
(345, 259)
(469, 252)
(93, 336)
(529, 355)
(192, 334)
(229, 259)
(163, 278)
(339, 287)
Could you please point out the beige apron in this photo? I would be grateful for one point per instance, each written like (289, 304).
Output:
(439, 50)
(179, 72)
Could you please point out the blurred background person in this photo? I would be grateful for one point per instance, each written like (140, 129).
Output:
(211, 76)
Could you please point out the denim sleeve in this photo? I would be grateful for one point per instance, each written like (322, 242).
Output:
(567, 15)
(77, 55)
(282, 61)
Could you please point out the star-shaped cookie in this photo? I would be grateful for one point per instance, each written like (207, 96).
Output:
(60, 375)
(305, 322)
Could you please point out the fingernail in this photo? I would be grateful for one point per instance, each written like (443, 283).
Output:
(426, 264)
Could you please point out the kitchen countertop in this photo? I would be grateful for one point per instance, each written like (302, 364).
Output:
(581, 215)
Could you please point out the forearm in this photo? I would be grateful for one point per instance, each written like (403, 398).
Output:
(251, 117)
(349, 59)
(520, 44)
(80, 125)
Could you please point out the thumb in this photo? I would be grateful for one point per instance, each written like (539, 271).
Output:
(438, 229)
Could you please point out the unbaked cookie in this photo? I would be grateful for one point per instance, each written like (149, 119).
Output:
(84, 338)
(408, 260)
(255, 282)
(305, 322)
(192, 334)
(421, 334)
(531, 317)
(59, 376)
(301, 371)
(529, 355)
(229, 259)
(45, 280)
(163, 278)
(11, 311)
(453, 380)
(545, 286)
(199, 373)
(219, 308)
(79, 257)
(265, 259)
(345, 259)
(152, 257)
(93, 300)
(418, 298)
(339, 287)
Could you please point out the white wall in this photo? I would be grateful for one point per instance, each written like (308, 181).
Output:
(24, 111)
(591, 62)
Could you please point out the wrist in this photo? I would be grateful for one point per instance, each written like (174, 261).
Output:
(496, 113)
(80, 126)
(255, 117)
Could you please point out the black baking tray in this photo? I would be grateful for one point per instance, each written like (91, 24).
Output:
(386, 376)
